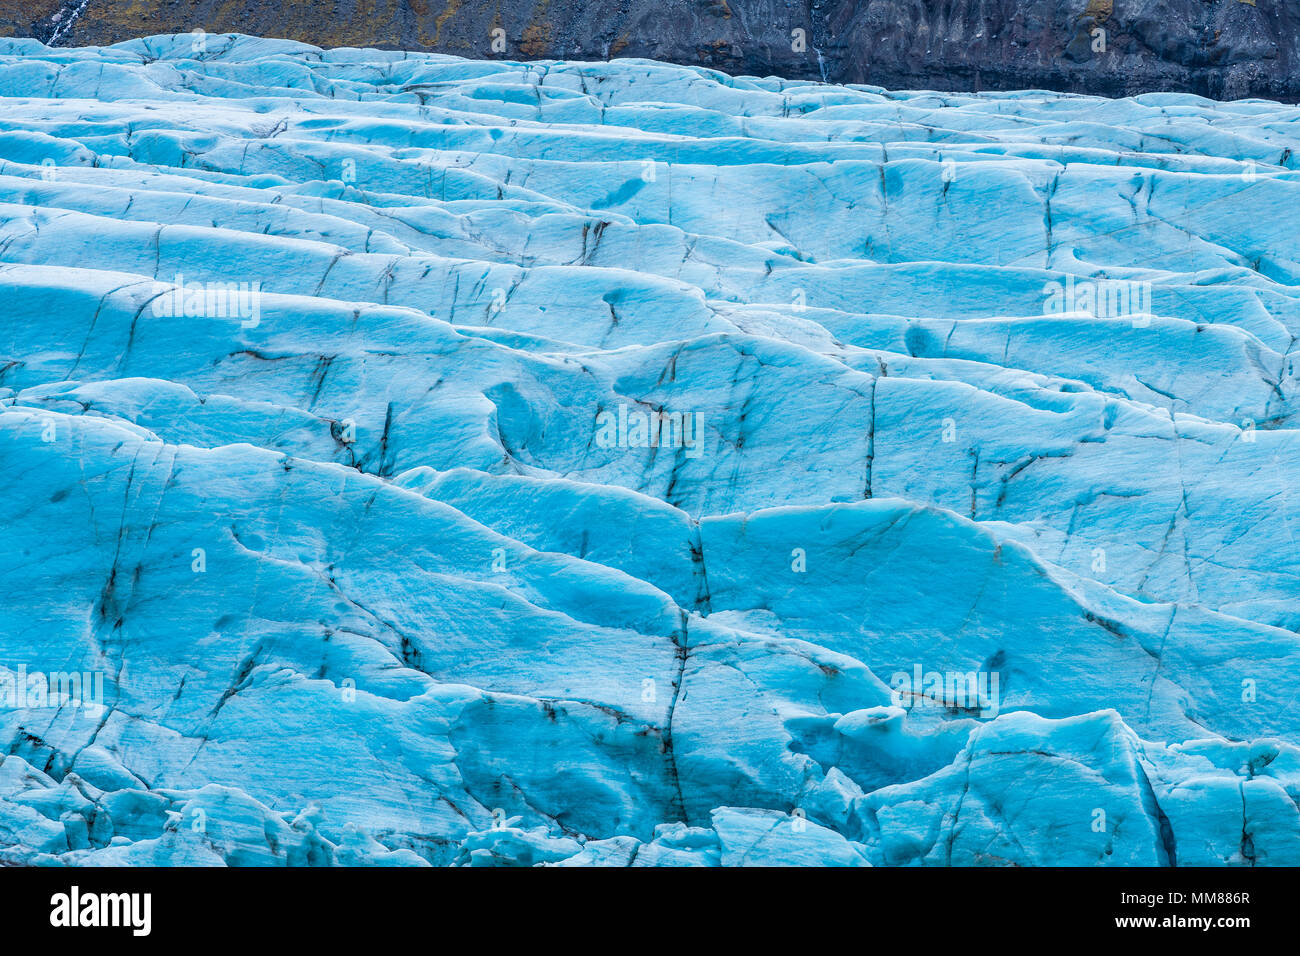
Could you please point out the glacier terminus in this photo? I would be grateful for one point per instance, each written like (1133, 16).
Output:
(415, 460)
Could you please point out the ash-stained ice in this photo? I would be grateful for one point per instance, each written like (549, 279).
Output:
(414, 460)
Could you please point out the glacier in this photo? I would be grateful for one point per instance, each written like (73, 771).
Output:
(427, 461)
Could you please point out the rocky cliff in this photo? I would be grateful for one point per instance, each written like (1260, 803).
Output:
(1226, 49)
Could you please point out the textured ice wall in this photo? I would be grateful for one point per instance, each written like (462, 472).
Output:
(327, 388)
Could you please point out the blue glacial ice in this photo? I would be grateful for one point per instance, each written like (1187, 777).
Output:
(410, 460)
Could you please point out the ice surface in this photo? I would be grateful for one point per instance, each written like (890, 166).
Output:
(325, 387)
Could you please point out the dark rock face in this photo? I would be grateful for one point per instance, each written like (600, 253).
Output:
(1226, 49)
